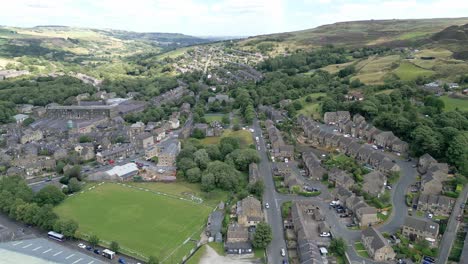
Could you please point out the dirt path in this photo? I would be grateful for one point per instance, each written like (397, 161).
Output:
(211, 256)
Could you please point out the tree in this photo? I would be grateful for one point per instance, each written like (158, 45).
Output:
(114, 246)
(226, 120)
(425, 140)
(193, 175)
(74, 172)
(241, 158)
(263, 235)
(338, 246)
(213, 152)
(186, 164)
(256, 188)
(201, 158)
(50, 194)
(94, 240)
(457, 153)
(46, 217)
(198, 133)
(208, 182)
(226, 177)
(67, 227)
(153, 260)
(155, 160)
(74, 185)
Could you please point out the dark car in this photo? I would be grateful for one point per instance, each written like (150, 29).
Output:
(97, 251)
(285, 261)
(122, 261)
(340, 211)
(429, 259)
(89, 248)
(344, 215)
(351, 225)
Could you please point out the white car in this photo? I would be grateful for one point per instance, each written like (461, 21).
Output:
(251, 130)
(283, 252)
(267, 205)
(81, 245)
(430, 216)
(324, 234)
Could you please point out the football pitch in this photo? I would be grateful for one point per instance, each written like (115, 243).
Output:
(141, 221)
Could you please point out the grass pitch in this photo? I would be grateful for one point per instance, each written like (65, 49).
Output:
(142, 222)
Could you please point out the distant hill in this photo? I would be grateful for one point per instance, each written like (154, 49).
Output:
(355, 33)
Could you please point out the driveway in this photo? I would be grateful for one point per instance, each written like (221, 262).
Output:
(211, 256)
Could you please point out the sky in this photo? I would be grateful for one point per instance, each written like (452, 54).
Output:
(218, 17)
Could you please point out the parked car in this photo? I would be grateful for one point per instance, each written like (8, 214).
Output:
(267, 205)
(122, 261)
(325, 234)
(351, 225)
(429, 259)
(389, 187)
(89, 248)
(283, 252)
(344, 215)
(97, 251)
(430, 216)
(81, 245)
(340, 211)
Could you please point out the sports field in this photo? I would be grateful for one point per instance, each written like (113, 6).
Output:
(141, 221)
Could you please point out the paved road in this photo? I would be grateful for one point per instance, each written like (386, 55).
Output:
(452, 227)
(273, 214)
(37, 186)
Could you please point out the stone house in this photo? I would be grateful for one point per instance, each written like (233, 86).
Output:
(336, 117)
(384, 139)
(313, 165)
(364, 214)
(420, 228)
(167, 153)
(432, 182)
(436, 204)
(376, 245)
(342, 194)
(424, 162)
(237, 240)
(249, 212)
(291, 181)
(144, 140)
(282, 168)
(340, 178)
(374, 183)
(286, 151)
(159, 134)
(30, 135)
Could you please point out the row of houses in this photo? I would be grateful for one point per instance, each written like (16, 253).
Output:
(273, 114)
(279, 148)
(358, 127)
(352, 147)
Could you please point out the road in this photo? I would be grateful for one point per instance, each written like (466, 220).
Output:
(452, 227)
(37, 186)
(273, 214)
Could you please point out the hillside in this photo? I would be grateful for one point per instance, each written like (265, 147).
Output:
(46, 49)
(356, 33)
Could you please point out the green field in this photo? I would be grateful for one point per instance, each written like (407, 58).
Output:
(408, 72)
(454, 103)
(213, 117)
(142, 222)
(313, 108)
(244, 135)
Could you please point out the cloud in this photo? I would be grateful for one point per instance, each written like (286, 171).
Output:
(218, 17)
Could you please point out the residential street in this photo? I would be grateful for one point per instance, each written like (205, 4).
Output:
(274, 218)
(452, 227)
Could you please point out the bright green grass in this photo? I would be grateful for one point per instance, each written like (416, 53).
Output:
(361, 250)
(185, 190)
(408, 72)
(454, 103)
(213, 117)
(313, 108)
(141, 222)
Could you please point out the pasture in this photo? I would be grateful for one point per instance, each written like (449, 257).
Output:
(408, 71)
(141, 221)
(244, 136)
(454, 103)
